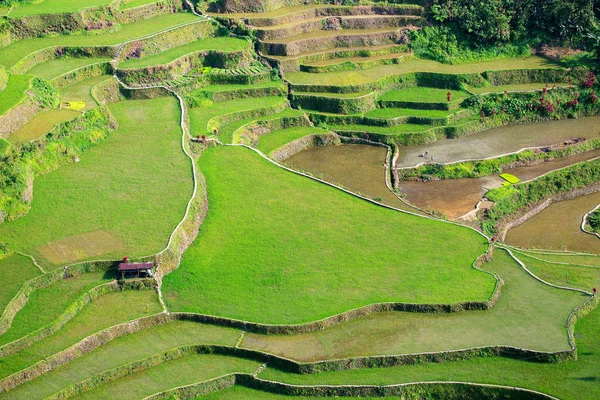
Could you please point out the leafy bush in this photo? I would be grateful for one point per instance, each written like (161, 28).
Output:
(511, 199)
(594, 221)
(21, 162)
(442, 45)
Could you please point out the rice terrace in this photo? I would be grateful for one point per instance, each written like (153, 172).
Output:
(299, 199)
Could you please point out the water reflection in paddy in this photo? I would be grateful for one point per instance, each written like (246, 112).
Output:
(358, 168)
(456, 197)
(503, 140)
(558, 227)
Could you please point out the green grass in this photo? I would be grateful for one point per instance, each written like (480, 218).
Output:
(424, 95)
(55, 7)
(575, 276)
(200, 116)
(121, 351)
(510, 178)
(404, 112)
(183, 371)
(385, 130)
(125, 196)
(53, 68)
(562, 257)
(15, 270)
(11, 54)
(47, 304)
(243, 393)
(569, 380)
(14, 91)
(224, 44)
(232, 88)
(40, 124)
(81, 91)
(523, 299)
(261, 256)
(526, 87)
(274, 140)
(136, 3)
(368, 75)
(333, 95)
(226, 133)
(105, 311)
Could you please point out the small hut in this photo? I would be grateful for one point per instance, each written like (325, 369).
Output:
(135, 270)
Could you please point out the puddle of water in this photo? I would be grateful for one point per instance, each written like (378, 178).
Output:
(42, 123)
(358, 168)
(497, 141)
(456, 197)
(453, 197)
(558, 227)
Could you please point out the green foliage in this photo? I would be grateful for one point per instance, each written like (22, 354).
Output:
(442, 44)
(46, 94)
(594, 221)
(501, 21)
(21, 161)
(511, 199)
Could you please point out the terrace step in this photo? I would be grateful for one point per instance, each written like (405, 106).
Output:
(297, 14)
(350, 63)
(279, 32)
(322, 40)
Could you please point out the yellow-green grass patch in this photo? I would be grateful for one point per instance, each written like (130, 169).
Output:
(135, 3)
(134, 186)
(545, 310)
(15, 270)
(408, 112)
(243, 393)
(180, 372)
(274, 140)
(124, 350)
(46, 304)
(226, 132)
(105, 311)
(223, 43)
(510, 178)
(200, 116)
(51, 69)
(54, 7)
(368, 75)
(574, 276)
(424, 95)
(17, 50)
(40, 124)
(525, 87)
(568, 380)
(81, 91)
(279, 248)
(14, 91)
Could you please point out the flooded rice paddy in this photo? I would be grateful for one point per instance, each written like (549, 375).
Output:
(498, 141)
(558, 227)
(358, 168)
(456, 197)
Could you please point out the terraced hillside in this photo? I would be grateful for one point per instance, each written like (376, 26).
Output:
(266, 199)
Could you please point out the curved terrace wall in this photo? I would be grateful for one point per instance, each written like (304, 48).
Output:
(183, 65)
(296, 146)
(91, 19)
(327, 42)
(505, 224)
